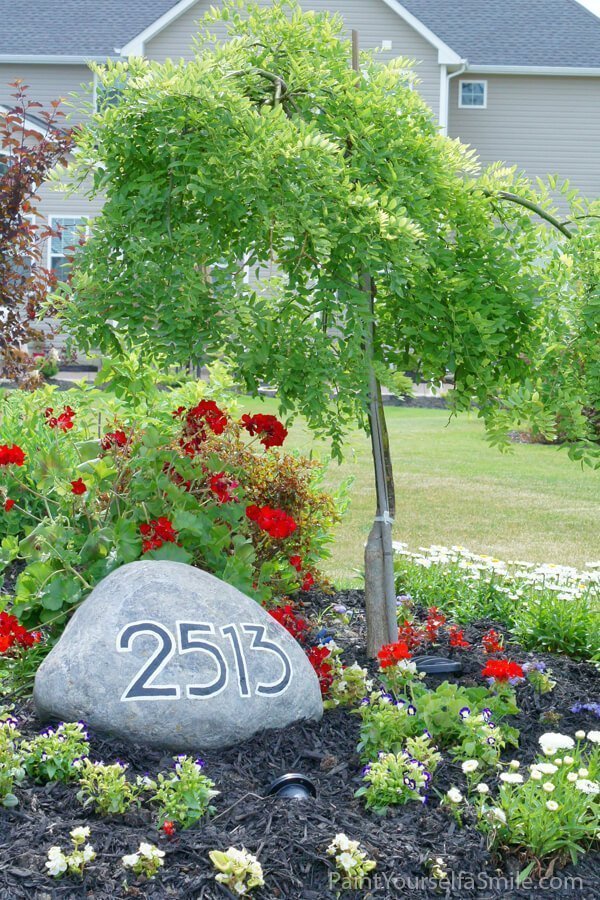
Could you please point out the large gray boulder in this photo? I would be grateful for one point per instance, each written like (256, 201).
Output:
(166, 655)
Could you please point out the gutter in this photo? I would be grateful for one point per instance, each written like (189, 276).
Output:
(445, 78)
(37, 60)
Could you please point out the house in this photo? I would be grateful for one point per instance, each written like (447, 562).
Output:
(519, 80)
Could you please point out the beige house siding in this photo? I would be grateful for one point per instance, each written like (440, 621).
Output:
(46, 83)
(543, 124)
(373, 19)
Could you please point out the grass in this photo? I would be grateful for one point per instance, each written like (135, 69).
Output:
(452, 488)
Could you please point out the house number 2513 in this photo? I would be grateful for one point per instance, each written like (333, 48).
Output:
(195, 637)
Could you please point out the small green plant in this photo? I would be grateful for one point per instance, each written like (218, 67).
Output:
(50, 756)
(184, 795)
(349, 683)
(554, 812)
(105, 788)
(72, 863)
(11, 765)
(539, 677)
(392, 779)
(352, 863)
(238, 870)
(147, 861)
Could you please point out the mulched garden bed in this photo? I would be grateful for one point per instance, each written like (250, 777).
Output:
(290, 838)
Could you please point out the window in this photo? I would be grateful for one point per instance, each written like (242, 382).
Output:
(472, 95)
(70, 229)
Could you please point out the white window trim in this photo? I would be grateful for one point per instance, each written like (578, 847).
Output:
(52, 219)
(482, 81)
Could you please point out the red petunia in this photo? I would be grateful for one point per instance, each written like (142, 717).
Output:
(222, 485)
(275, 522)
(502, 670)
(291, 621)
(390, 654)
(11, 456)
(78, 487)
(272, 431)
(317, 657)
(64, 421)
(8, 504)
(456, 637)
(113, 439)
(492, 642)
(156, 533)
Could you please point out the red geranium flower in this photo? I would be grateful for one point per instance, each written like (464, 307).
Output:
(222, 485)
(274, 433)
(169, 828)
(12, 633)
(390, 654)
(492, 642)
(435, 620)
(456, 636)
(317, 657)
(290, 620)
(156, 533)
(308, 582)
(296, 563)
(78, 487)
(205, 415)
(8, 504)
(113, 439)
(64, 421)
(275, 522)
(502, 670)
(11, 455)
(411, 634)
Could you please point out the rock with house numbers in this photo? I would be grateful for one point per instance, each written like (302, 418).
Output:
(166, 655)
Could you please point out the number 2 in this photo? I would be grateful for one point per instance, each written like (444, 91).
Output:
(141, 687)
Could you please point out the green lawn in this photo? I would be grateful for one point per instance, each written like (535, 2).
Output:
(452, 488)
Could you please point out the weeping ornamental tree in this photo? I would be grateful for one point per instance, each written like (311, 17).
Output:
(268, 202)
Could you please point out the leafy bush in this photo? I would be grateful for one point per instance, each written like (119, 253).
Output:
(396, 382)
(11, 764)
(184, 796)
(108, 477)
(547, 607)
(50, 756)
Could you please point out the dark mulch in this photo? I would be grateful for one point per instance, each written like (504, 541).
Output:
(290, 838)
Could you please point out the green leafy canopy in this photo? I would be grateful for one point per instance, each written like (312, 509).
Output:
(247, 190)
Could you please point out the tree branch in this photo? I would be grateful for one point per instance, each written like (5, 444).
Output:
(534, 207)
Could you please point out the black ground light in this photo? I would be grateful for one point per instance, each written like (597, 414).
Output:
(437, 665)
(292, 786)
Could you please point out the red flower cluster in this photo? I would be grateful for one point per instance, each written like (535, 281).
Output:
(492, 642)
(307, 582)
(435, 620)
(205, 415)
(412, 635)
(78, 487)
(390, 654)
(156, 533)
(317, 657)
(502, 670)
(169, 828)
(113, 439)
(296, 563)
(274, 434)
(222, 485)
(12, 633)
(8, 504)
(456, 637)
(295, 624)
(275, 522)
(63, 422)
(11, 456)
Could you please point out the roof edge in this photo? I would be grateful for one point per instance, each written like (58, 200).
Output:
(41, 59)
(569, 71)
(446, 55)
(135, 46)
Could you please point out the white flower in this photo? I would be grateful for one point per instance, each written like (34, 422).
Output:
(587, 787)
(514, 764)
(80, 834)
(536, 774)
(568, 760)
(552, 742)
(511, 778)
(345, 860)
(546, 768)
(130, 861)
(57, 862)
(572, 776)
(454, 795)
(498, 814)
(469, 766)
(583, 773)
(150, 851)
(482, 788)
(594, 736)
(580, 734)
(88, 853)
(548, 787)
(552, 805)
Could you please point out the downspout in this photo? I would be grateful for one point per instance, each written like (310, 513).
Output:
(445, 92)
